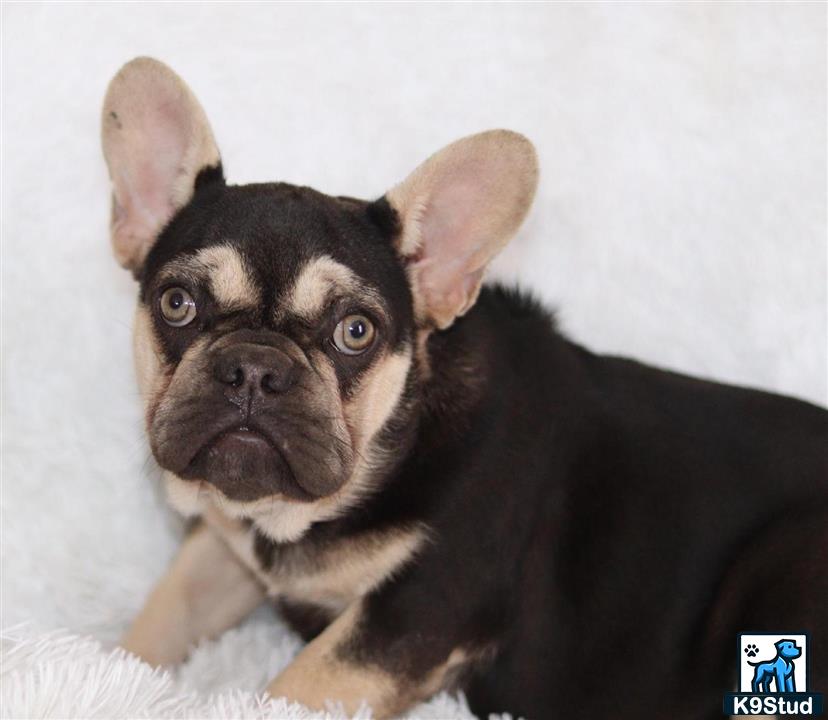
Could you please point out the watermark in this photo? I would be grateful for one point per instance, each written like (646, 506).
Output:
(773, 676)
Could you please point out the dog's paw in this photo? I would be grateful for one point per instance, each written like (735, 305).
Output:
(751, 650)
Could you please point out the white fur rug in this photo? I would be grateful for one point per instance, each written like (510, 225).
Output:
(57, 675)
(681, 219)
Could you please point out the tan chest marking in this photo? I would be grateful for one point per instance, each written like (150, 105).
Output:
(331, 576)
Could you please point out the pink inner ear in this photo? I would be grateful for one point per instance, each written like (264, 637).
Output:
(454, 231)
(142, 204)
(155, 139)
(149, 162)
(460, 208)
(145, 157)
(447, 223)
(450, 239)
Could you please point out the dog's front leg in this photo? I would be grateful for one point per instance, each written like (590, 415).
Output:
(205, 591)
(333, 667)
(781, 683)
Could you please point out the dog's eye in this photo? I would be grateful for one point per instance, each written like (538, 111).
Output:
(177, 307)
(353, 335)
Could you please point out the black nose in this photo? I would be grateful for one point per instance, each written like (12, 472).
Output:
(252, 369)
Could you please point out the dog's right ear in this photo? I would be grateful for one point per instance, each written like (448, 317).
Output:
(156, 140)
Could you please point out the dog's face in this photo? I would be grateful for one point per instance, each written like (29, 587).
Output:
(275, 328)
(279, 331)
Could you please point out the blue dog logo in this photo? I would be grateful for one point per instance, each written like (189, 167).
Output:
(779, 670)
(775, 687)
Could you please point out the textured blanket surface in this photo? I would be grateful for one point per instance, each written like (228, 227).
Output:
(56, 675)
(680, 219)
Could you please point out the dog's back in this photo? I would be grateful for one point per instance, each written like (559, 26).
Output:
(606, 505)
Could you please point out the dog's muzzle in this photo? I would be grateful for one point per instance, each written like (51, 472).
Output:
(257, 424)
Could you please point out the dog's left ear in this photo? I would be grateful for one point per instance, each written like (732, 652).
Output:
(458, 210)
(156, 140)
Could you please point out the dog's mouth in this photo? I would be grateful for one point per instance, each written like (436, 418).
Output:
(289, 456)
(245, 464)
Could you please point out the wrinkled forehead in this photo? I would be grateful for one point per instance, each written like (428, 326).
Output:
(288, 251)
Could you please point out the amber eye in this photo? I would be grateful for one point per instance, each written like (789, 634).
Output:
(177, 307)
(354, 334)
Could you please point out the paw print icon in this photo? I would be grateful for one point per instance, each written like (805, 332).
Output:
(751, 650)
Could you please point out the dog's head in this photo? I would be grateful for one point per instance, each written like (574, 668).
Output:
(277, 328)
(788, 649)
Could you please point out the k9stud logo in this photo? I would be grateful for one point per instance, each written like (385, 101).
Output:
(773, 677)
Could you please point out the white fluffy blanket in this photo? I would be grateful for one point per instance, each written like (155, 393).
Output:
(57, 675)
(680, 219)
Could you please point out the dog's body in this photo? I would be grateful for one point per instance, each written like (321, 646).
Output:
(438, 487)
(779, 670)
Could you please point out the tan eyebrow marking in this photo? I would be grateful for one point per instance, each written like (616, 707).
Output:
(318, 280)
(223, 268)
(230, 281)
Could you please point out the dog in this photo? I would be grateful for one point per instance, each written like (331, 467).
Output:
(435, 486)
(780, 669)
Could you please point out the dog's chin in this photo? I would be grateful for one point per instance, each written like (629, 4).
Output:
(245, 466)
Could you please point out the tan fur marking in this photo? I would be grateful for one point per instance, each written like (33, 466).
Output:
(311, 291)
(282, 520)
(321, 279)
(205, 592)
(229, 280)
(146, 352)
(354, 569)
(183, 495)
(152, 373)
(440, 678)
(223, 269)
(378, 394)
(185, 377)
(421, 353)
(332, 577)
(317, 674)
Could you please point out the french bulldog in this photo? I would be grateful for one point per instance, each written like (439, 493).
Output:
(436, 487)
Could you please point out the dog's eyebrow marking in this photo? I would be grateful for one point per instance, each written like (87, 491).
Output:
(222, 267)
(230, 281)
(320, 279)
